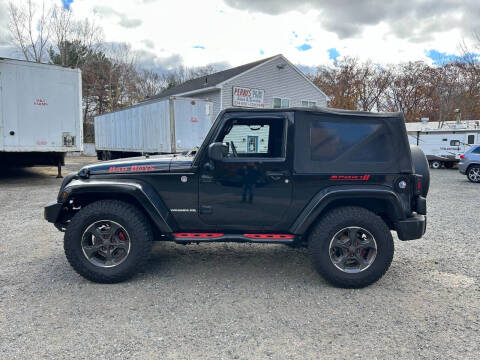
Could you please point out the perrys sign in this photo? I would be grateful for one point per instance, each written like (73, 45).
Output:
(247, 97)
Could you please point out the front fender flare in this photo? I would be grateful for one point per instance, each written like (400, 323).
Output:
(143, 192)
(333, 193)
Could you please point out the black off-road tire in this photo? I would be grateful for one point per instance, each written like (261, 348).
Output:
(131, 219)
(338, 219)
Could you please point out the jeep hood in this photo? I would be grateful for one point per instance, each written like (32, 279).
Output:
(138, 165)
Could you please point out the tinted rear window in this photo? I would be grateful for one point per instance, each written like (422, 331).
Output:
(330, 143)
(329, 140)
(476, 150)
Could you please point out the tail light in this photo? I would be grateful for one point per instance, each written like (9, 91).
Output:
(418, 184)
(462, 156)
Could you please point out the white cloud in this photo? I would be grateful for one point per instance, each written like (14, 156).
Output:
(236, 34)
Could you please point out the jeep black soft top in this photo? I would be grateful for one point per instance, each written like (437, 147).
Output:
(336, 181)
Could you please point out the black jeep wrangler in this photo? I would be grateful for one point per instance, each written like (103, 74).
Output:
(335, 181)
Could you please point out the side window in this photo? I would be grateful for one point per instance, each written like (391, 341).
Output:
(327, 142)
(254, 138)
(280, 103)
(307, 103)
(471, 139)
(248, 138)
(330, 140)
(454, 142)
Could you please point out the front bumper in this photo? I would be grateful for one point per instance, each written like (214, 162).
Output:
(51, 212)
(412, 228)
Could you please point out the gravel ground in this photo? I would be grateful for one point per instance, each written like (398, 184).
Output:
(239, 301)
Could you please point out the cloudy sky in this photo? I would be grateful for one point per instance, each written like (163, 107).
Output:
(166, 33)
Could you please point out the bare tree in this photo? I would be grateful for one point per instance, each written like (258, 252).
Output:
(149, 83)
(30, 29)
(183, 74)
(373, 84)
(67, 32)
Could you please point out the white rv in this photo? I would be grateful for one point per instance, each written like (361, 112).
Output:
(40, 113)
(444, 145)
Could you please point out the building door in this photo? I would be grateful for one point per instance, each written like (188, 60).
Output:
(252, 144)
(251, 187)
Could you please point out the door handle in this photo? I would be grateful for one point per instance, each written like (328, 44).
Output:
(206, 209)
(276, 175)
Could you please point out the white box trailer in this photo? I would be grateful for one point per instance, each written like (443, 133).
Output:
(443, 146)
(162, 126)
(40, 113)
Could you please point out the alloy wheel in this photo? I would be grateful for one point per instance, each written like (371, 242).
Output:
(474, 174)
(353, 249)
(105, 243)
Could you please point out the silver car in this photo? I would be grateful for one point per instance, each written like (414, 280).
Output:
(470, 164)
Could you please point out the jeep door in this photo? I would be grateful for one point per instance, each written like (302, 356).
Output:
(251, 187)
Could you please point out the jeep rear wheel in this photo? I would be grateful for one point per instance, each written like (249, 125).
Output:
(108, 241)
(351, 247)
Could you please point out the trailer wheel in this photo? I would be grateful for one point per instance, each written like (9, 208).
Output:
(435, 164)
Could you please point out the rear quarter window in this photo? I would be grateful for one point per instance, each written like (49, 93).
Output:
(326, 143)
(330, 140)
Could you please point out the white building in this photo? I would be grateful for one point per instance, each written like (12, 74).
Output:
(268, 83)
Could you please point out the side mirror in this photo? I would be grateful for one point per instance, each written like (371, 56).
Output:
(217, 151)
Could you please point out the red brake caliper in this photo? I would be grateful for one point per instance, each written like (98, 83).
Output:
(121, 235)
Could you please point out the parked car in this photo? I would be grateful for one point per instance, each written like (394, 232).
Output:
(336, 181)
(470, 164)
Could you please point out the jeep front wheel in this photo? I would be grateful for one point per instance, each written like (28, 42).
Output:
(108, 241)
(351, 247)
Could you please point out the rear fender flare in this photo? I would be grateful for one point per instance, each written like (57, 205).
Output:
(331, 194)
(144, 193)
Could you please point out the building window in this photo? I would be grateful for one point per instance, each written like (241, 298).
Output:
(307, 103)
(280, 103)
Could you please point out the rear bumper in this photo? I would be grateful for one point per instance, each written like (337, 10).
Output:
(411, 228)
(51, 212)
(462, 167)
